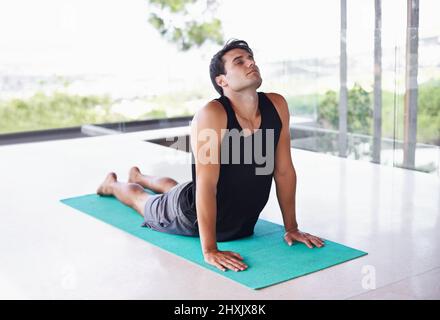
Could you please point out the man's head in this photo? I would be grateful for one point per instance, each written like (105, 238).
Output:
(234, 67)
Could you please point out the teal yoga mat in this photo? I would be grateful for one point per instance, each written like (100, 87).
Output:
(270, 260)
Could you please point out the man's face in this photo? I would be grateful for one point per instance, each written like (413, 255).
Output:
(241, 71)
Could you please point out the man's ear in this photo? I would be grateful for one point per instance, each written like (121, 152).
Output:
(221, 81)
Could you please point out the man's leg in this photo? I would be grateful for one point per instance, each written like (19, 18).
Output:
(130, 194)
(157, 184)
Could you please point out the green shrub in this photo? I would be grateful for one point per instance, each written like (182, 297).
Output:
(360, 112)
(58, 110)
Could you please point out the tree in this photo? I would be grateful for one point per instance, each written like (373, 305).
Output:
(187, 23)
(360, 112)
(328, 111)
(428, 115)
(359, 115)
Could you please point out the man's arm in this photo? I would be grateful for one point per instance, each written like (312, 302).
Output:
(285, 178)
(205, 143)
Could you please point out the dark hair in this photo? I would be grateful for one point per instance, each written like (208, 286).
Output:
(217, 65)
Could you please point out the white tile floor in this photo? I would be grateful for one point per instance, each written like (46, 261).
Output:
(50, 251)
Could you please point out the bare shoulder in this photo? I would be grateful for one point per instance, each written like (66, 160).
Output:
(212, 115)
(280, 104)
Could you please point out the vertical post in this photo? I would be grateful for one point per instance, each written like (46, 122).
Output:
(411, 86)
(343, 96)
(377, 112)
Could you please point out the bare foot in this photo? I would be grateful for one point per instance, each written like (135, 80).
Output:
(133, 175)
(105, 188)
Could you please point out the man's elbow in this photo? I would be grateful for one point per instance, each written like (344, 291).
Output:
(287, 174)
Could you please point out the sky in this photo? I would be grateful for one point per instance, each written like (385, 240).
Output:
(114, 36)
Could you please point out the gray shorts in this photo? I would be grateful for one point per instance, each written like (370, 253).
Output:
(162, 213)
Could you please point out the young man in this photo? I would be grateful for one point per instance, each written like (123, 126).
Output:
(240, 142)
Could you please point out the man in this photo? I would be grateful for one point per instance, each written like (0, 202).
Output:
(230, 183)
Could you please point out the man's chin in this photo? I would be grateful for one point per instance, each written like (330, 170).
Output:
(258, 84)
(253, 85)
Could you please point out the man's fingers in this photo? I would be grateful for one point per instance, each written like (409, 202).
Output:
(316, 242)
(226, 260)
(219, 266)
(235, 254)
(288, 240)
(319, 240)
(307, 242)
(231, 265)
(306, 238)
(236, 263)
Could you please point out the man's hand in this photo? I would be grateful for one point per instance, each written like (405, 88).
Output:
(225, 260)
(291, 236)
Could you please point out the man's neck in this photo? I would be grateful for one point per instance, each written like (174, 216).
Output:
(245, 104)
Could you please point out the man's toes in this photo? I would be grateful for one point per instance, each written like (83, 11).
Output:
(112, 176)
(133, 174)
(105, 187)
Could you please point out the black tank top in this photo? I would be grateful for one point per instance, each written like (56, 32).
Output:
(241, 192)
